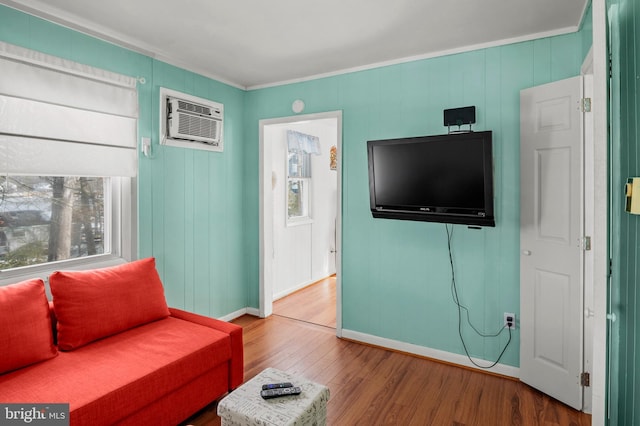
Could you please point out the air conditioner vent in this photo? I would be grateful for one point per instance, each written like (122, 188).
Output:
(198, 109)
(189, 125)
(191, 122)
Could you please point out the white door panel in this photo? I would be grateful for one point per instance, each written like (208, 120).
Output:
(553, 185)
(551, 289)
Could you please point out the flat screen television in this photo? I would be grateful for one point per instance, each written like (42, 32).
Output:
(443, 178)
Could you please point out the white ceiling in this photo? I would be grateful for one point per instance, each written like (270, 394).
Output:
(256, 43)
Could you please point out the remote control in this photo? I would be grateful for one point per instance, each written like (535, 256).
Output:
(277, 386)
(278, 392)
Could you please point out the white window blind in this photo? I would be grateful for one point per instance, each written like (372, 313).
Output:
(62, 118)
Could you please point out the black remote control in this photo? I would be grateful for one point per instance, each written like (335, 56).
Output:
(278, 392)
(277, 386)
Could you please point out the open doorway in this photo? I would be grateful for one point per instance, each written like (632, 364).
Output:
(314, 304)
(300, 217)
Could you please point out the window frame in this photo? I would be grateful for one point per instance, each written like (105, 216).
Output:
(120, 223)
(308, 187)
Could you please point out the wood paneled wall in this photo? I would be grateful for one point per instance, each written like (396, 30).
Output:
(396, 281)
(625, 237)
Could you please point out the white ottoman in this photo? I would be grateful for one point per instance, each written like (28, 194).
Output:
(245, 407)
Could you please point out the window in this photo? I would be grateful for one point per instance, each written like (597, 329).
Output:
(300, 147)
(298, 186)
(68, 161)
(50, 218)
(298, 198)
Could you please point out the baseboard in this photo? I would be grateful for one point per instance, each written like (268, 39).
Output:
(423, 351)
(291, 290)
(239, 313)
(435, 354)
(253, 311)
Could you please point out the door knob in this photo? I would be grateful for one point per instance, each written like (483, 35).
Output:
(526, 252)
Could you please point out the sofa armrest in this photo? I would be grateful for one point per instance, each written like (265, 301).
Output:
(234, 331)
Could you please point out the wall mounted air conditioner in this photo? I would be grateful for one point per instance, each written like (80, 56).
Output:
(190, 122)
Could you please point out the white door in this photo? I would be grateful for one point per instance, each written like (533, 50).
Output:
(551, 231)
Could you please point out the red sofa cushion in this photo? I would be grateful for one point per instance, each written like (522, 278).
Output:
(25, 325)
(236, 373)
(113, 378)
(93, 304)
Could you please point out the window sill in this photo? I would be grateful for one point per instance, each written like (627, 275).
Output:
(299, 222)
(11, 276)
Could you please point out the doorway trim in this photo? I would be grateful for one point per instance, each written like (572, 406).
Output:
(589, 229)
(266, 213)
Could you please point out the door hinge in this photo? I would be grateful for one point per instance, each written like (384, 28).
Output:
(585, 379)
(586, 243)
(585, 104)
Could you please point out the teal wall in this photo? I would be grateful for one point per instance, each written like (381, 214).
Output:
(396, 277)
(625, 242)
(190, 201)
(198, 210)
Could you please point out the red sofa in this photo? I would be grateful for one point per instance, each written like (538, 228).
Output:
(121, 356)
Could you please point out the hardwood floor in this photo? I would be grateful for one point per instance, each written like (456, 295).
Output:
(374, 386)
(315, 304)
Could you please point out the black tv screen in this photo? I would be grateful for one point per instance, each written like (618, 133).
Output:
(443, 178)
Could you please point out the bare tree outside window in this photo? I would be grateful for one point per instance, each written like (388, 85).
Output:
(45, 219)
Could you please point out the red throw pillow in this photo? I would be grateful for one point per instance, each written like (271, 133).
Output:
(98, 303)
(25, 325)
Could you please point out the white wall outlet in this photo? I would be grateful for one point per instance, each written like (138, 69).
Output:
(511, 315)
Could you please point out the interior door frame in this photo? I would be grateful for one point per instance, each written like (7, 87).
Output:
(588, 290)
(599, 246)
(266, 213)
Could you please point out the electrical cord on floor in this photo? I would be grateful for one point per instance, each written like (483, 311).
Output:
(456, 300)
